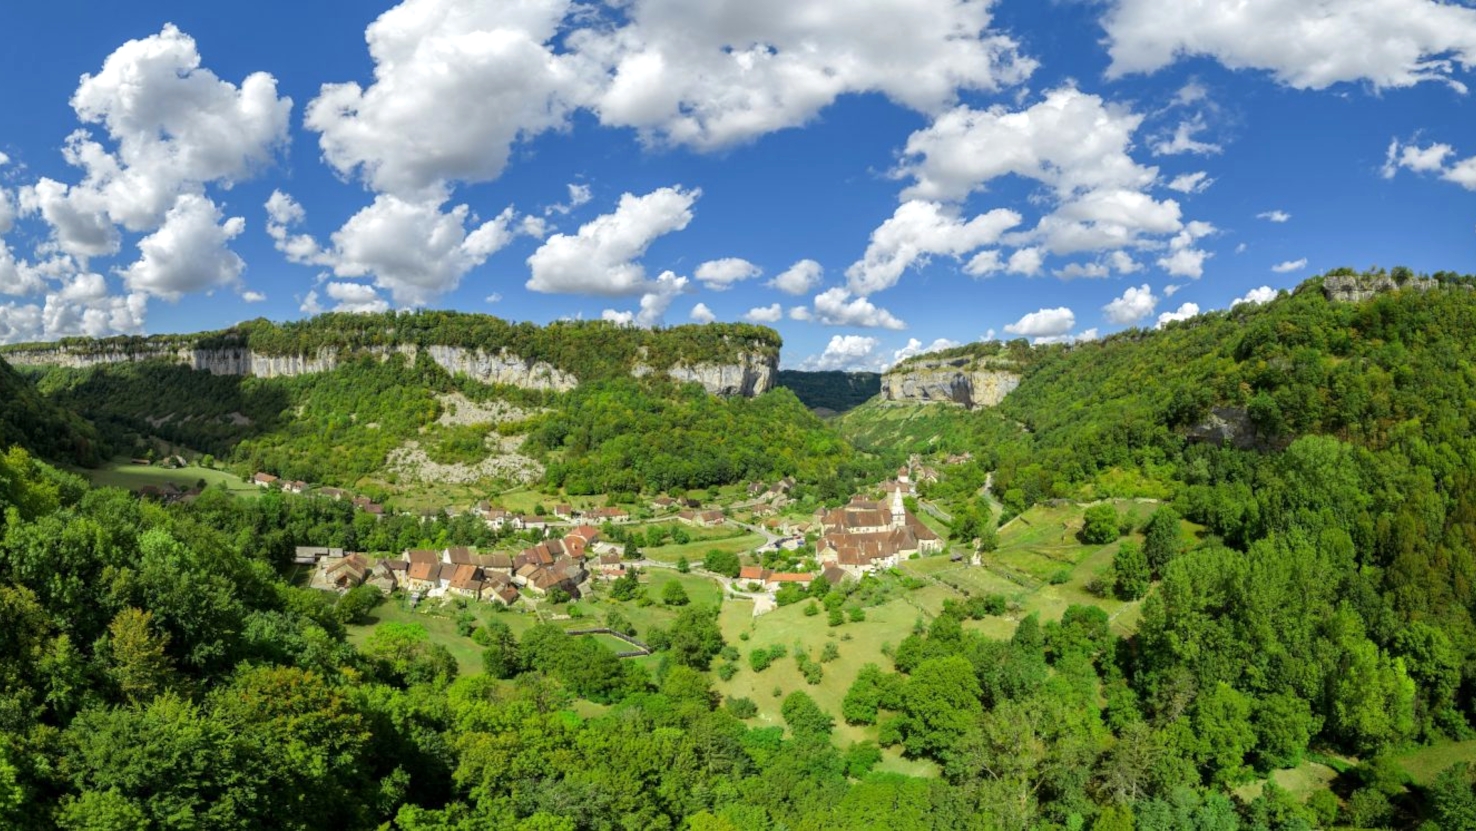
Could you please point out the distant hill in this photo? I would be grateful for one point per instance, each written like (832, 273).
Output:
(834, 391)
(449, 398)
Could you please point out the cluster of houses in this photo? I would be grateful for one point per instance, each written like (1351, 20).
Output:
(864, 536)
(297, 486)
(499, 519)
(569, 563)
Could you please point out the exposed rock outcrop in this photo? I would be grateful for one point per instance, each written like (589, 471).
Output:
(1355, 288)
(753, 373)
(950, 382)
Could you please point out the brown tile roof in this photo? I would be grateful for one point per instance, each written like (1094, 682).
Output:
(753, 573)
(588, 533)
(422, 555)
(459, 555)
(498, 561)
(423, 571)
(833, 575)
(790, 577)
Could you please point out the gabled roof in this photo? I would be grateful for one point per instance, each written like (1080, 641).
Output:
(422, 555)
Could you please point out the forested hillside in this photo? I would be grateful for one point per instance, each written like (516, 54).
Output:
(54, 432)
(622, 435)
(1327, 448)
(834, 391)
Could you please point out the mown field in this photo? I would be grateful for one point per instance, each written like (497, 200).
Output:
(121, 473)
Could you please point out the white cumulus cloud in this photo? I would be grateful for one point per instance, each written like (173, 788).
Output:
(852, 352)
(1044, 323)
(702, 314)
(716, 73)
(188, 253)
(658, 297)
(765, 314)
(800, 278)
(414, 250)
(836, 307)
(1289, 266)
(1274, 216)
(601, 258)
(915, 347)
(917, 230)
(1184, 312)
(456, 84)
(1306, 45)
(720, 275)
(1135, 304)
(1256, 297)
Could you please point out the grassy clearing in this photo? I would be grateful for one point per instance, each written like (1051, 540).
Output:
(1301, 781)
(888, 623)
(696, 550)
(701, 591)
(440, 627)
(120, 473)
(1038, 546)
(1426, 763)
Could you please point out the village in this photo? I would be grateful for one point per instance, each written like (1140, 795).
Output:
(577, 550)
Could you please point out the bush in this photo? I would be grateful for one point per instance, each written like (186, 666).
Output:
(355, 605)
(1060, 577)
(682, 566)
(857, 614)
(722, 562)
(812, 609)
(741, 707)
(837, 617)
(727, 671)
(672, 594)
(829, 653)
(1101, 525)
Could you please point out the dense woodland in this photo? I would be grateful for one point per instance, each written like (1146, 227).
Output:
(834, 391)
(159, 671)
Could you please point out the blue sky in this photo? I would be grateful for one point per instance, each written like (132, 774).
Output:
(871, 178)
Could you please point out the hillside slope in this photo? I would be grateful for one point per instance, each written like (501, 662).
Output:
(45, 429)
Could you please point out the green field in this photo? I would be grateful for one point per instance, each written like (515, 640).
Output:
(888, 623)
(697, 549)
(441, 628)
(120, 473)
(1033, 548)
(1426, 763)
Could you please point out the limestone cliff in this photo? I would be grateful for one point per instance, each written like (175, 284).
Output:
(1355, 288)
(751, 374)
(948, 381)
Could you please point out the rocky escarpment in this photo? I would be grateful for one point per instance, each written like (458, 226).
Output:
(949, 382)
(1355, 288)
(751, 374)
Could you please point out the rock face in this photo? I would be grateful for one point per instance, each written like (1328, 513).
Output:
(930, 382)
(753, 373)
(1226, 425)
(1356, 288)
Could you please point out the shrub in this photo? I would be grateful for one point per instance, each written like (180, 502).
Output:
(741, 707)
(727, 671)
